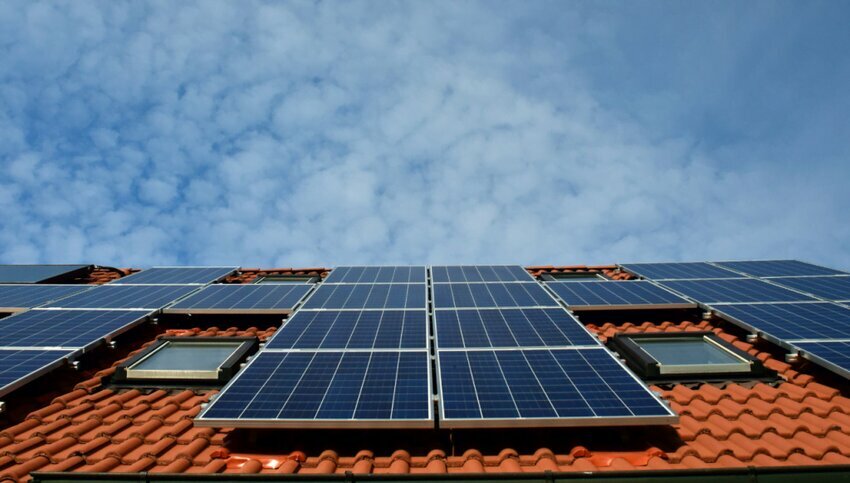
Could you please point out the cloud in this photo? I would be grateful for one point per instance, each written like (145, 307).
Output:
(310, 133)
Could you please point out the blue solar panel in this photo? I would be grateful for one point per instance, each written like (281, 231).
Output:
(733, 291)
(238, 298)
(480, 273)
(625, 294)
(151, 297)
(368, 329)
(35, 273)
(15, 297)
(377, 275)
(331, 389)
(564, 387)
(491, 295)
(495, 328)
(832, 354)
(779, 268)
(791, 322)
(64, 328)
(830, 288)
(19, 366)
(368, 296)
(679, 271)
(176, 276)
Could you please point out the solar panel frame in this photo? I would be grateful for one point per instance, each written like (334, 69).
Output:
(462, 274)
(312, 330)
(129, 297)
(361, 274)
(12, 273)
(679, 271)
(550, 391)
(833, 288)
(205, 420)
(831, 354)
(732, 291)
(568, 293)
(18, 297)
(480, 295)
(219, 299)
(202, 276)
(777, 268)
(325, 297)
(819, 320)
(37, 362)
(40, 327)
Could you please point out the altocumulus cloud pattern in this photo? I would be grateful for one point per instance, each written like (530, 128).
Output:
(307, 133)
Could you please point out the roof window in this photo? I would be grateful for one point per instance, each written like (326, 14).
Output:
(686, 356)
(573, 277)
(286, 279)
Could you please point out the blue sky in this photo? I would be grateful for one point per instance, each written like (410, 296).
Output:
(326, 133)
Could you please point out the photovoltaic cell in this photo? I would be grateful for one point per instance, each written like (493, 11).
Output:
(480, 273)
(733, 291)
(176, 276)
(830, 288)
(64, 328)
(829, 353)
(397, 274)
(680, 271)
(366, 296)
(497, 328)
(18, 366)
(779, 268)
(243, 298)
(16, 297)
(558, 387)
(327, 389)
(791, 322)
(152, 297)
(34, 273)
(368, 329)
(624, 294)
(491, 295)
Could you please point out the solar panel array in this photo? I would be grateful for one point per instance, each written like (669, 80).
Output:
(35, 273)
(834, 354)
(377, 275)
(679, 271)
(242, 298)
(827, 288)
(379, 296)
(491, 295)
(14, 298)
(176, 276)
(73, 329)
(19, 366)
(616, 295)
(736, 290)
(149, 297)
(778, 268)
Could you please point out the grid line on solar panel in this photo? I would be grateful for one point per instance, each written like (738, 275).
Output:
(376, 274)
(151, 297)
(788, 322)
(18, 366)
(479, 273)
(327, 389)
(834, 355)
(557, 387)
(35, 273)
(777, 268)
(65, 328)
(679, 271)
(368, 296)
(491, 295)
(622, 294)
(501, 328)
(741, 290)
(175, 276)
(242, 298)
(15, 297)
(368, 329)
(829, 288)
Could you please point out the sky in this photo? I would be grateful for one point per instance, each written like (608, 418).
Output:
(316, 133)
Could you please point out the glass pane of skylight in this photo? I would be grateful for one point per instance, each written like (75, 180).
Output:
(188, 356)
(686, 351)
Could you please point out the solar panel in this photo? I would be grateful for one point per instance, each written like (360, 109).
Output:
(557, 387)
(35, 273)
(20, 297)
(176, 276)
(740, 290)
(480, 273)
(19, 366)
(377, 275)
(830, 288)
(244, 299)
(790, 322)
(491, 295)
(679, 271)
(834, 355)
(65, 328)
(779, 268)
(327, 389)
(493, 328)
(368, 329)
(368, 296)
(152, 297)
(616, 295)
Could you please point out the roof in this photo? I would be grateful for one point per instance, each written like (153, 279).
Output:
(802, 419)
